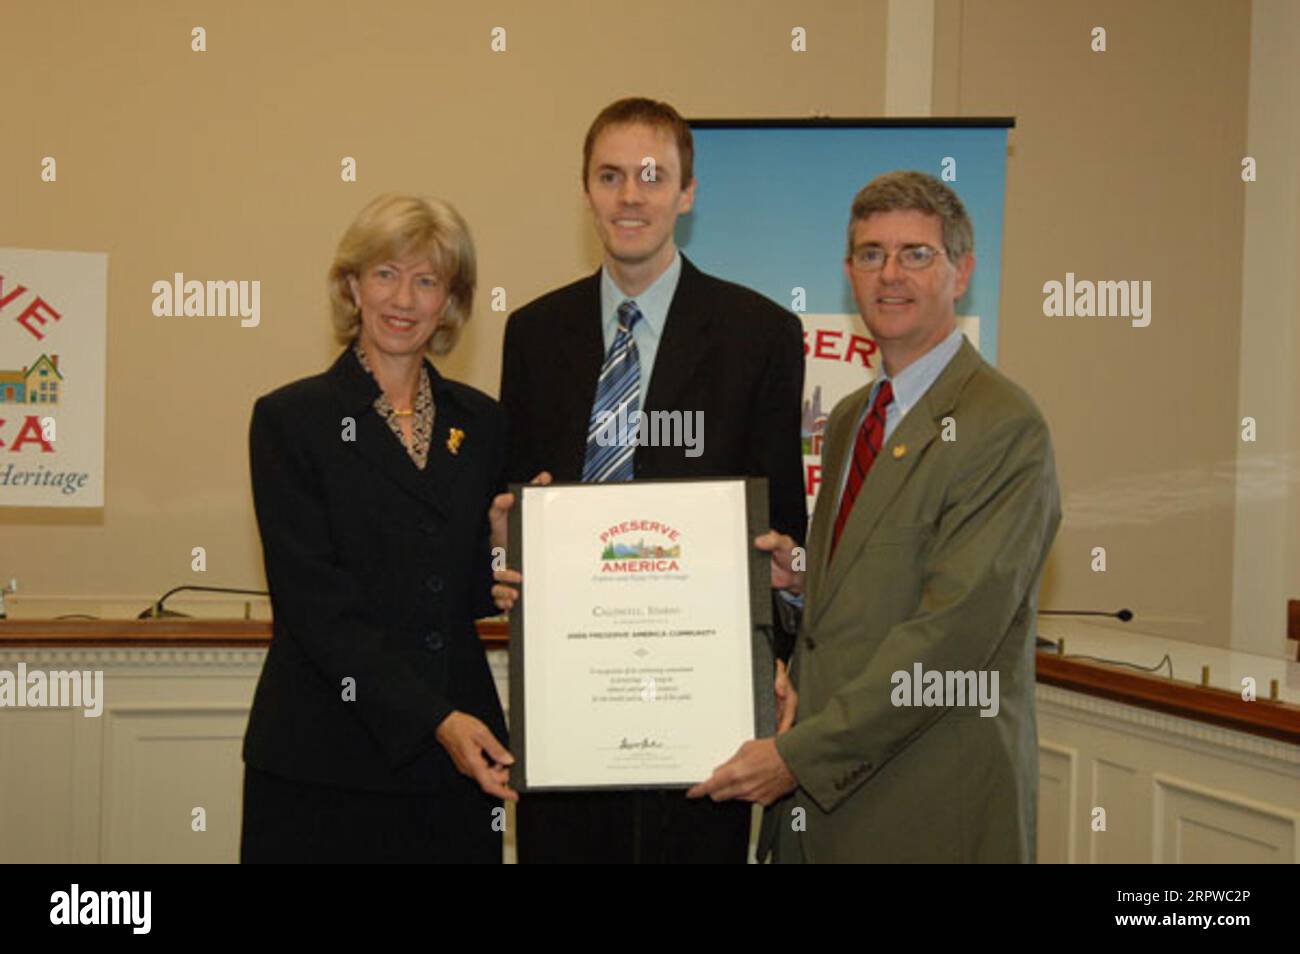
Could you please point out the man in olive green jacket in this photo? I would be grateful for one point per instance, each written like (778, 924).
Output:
(907, 728)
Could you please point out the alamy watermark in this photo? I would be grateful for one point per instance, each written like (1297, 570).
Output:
(57, 689)
(75, 906)
(652, 429)
(213, 299)
(1083, 298)
(947, 688)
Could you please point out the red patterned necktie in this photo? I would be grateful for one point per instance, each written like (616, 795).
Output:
(870, 436)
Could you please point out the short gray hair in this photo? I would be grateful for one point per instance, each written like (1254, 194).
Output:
(910, 190)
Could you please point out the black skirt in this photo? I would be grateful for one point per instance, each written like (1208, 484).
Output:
(291, 822)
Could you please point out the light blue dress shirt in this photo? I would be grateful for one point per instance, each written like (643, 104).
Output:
(653, 303)
(909, 386)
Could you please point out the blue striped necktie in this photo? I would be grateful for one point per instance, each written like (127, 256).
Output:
(618, 394)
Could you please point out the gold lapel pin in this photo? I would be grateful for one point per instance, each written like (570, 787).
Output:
(454, 437)
(899, 451)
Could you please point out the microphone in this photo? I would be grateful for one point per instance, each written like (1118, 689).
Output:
(156, 610)
(1123, 615)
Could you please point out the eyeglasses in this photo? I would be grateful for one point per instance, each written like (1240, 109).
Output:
(872, 258)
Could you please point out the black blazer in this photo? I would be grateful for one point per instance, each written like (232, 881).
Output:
(725, 350)
(377, 571)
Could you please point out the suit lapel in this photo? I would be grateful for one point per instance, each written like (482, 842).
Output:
(444, 467)
(889, 473)
(577, 330)
(886, 478)
(582, 342)
(684, 341)
(383, 451)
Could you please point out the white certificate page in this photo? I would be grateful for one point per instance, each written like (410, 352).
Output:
(637, 638)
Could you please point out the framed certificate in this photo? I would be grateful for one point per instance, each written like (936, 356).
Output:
(640, 646)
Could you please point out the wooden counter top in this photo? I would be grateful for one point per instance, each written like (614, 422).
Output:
(1276, 720)
(176, 633)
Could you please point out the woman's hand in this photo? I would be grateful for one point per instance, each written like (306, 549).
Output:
(787, 699)
(478, 754)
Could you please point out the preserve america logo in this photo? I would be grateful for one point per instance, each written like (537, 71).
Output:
(640, 546)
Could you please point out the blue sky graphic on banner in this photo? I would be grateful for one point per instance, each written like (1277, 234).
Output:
(772, 210)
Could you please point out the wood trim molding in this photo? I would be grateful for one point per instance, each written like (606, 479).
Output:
(1275, 720)
(177, 633)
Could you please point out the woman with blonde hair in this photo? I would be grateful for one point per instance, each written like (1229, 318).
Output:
(376, 732)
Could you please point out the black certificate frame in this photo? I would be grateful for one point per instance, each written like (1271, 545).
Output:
(762, 651)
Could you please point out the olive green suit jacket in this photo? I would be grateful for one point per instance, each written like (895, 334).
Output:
(939, 564)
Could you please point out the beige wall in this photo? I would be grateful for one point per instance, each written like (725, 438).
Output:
(1267, 570)
(225, 165)
(1124, 165)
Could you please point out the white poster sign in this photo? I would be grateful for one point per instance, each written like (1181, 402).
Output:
(53, 322)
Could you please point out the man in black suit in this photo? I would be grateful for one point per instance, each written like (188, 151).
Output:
(675, 340)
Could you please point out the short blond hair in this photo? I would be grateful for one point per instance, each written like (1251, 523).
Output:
(920, 192)
(397, 226)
